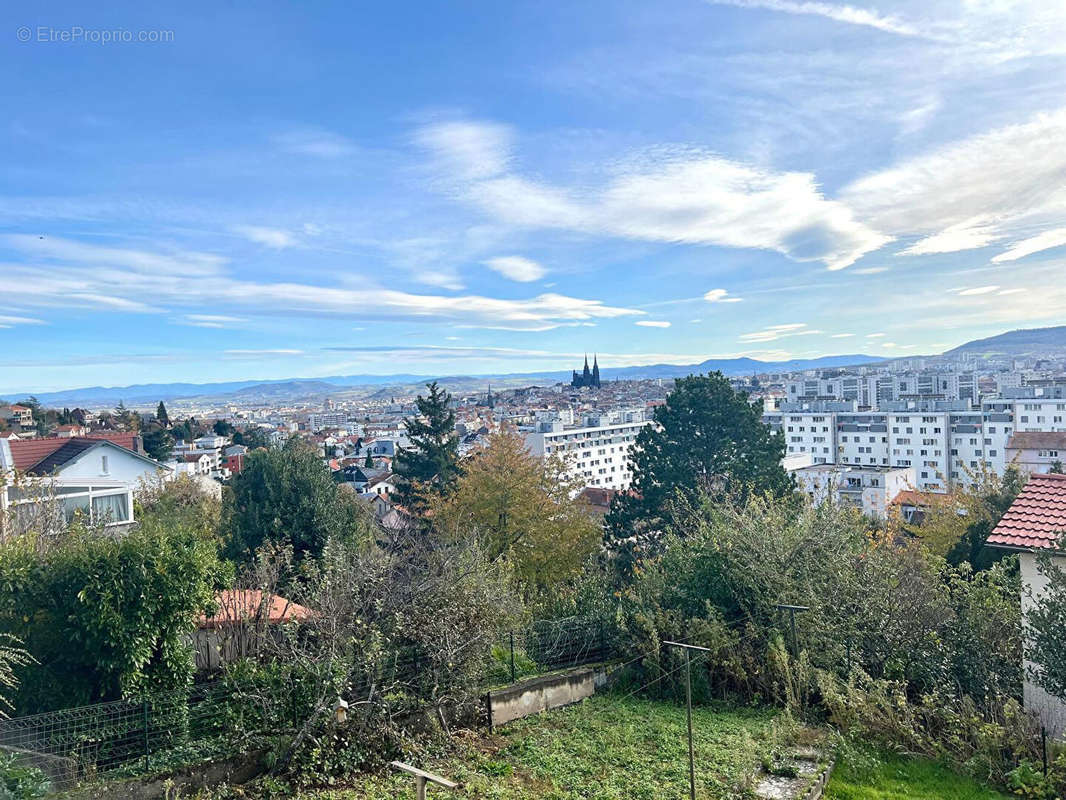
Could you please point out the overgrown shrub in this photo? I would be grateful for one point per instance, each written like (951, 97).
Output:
(19, 781)
(105, 616)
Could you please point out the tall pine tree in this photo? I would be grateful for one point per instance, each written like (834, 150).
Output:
(431, 465)
(161, 415)
(708, 439)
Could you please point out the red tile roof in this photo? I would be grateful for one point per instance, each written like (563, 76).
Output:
(27, 453)
(237, 605)
(1037, 517)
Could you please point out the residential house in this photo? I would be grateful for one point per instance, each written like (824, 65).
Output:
(233, 458)
(871, 489)
(1034, 524)
(1037, 451)
(56, 479)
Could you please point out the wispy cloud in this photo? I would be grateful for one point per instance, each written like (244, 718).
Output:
(772, 333)
(977, 290)
(270, 237)
(211, 320)
(63, 280)
(1001, 185)
(652, 323)
(851, 15)
(720, 296)
(266, 352)
(678, 196)
(517, 268)
(315, 142)
(8, 321)
(1055, 237)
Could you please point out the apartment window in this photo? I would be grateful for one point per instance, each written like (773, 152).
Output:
(103, 466)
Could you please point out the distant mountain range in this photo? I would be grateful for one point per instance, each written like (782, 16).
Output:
(1025, 342)
(1033, 341)
(287, 388)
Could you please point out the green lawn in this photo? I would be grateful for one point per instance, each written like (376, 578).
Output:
(897, 778)
(602, 748)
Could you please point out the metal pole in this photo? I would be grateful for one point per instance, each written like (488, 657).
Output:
(1043, 746)
(146, 750)
(513, 674)
(795, 642)
(688, 709)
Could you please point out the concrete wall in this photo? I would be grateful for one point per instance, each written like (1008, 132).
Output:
(543, 694)
(1052, 710)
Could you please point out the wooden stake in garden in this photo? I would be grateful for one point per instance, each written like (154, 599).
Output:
(422, 778)
(688, 707)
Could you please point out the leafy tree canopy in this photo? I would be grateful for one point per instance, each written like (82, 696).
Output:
(707, 438)
(288, 496)
(523, 508)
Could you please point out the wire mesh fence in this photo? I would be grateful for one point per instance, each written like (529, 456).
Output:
(139, 736)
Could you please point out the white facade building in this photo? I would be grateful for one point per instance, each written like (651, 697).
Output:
(594, 455)
(870, 489)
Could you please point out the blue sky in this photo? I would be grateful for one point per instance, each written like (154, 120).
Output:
(311, 189)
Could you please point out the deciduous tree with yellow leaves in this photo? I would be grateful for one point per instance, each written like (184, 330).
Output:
(525, 510)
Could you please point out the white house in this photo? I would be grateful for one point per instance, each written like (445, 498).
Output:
(87, 476)
(1037, 451)
(1034, 523)
(870, 489)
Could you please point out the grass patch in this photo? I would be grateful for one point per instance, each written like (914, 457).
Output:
(898, 778)
(605, 747)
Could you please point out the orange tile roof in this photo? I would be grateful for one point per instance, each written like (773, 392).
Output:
(1037, 517)
(237, 605)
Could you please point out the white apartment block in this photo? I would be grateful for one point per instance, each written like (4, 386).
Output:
(330, 419)
(869, 489)
(1040, 414)
(943, 447)
(594, 455)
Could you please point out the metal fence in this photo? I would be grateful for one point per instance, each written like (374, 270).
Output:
(135, 737)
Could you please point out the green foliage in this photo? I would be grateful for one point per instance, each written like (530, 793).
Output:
(288, 496)
(161, 415)
(708, 439)
(158, 443)
(19, 781)
(431, 465)
(12, 656)
(604, 747)
(1046, 627)
(105, 616)
(222, 428)
(253, 438)
(889, 776)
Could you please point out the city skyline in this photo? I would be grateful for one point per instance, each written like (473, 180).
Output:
(466, 191)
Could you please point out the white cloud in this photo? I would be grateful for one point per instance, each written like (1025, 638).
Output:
(652, 323)
(517, 268)
(850, 15)
(841, 335)
(677, 196)
(720, 296)
(254, 353)
(967, 235)
(211, 320)
(1043, 241)
(874, 335)
(472, 150)
(270, 237)
(315, 142)
(7, 321)
(1010, 291)
(977, 290)
(774, 332)
(58, 274)
(992, 186)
